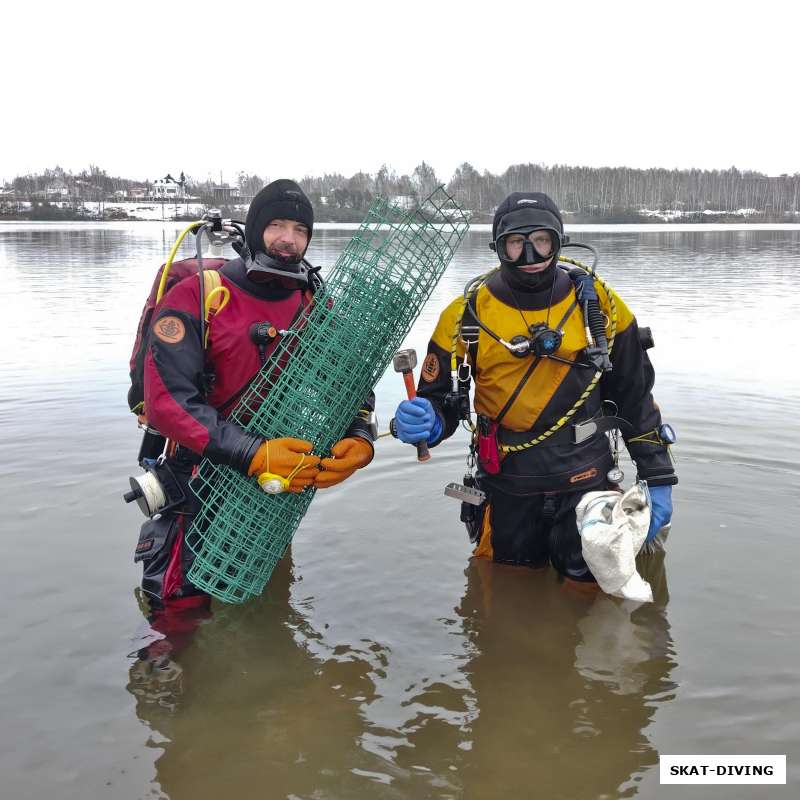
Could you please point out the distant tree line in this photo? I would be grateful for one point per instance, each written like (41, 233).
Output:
(584, 193)
(610, 193)
(92, 183)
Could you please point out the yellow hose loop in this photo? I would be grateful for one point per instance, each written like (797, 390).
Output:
(226, 296)
(515, 448)
(165, 272)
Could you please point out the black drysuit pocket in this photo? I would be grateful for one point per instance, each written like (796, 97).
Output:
(154, 548)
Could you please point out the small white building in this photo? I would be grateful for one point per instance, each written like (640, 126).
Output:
(56, 189)
(166, 189)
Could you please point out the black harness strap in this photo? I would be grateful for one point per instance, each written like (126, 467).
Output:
(515, 394)
(473, 353)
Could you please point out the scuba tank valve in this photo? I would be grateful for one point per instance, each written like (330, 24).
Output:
(219, 233)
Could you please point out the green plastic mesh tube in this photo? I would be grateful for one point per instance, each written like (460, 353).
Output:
(328, 365)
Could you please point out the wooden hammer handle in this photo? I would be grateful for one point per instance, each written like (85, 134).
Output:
(423, 454)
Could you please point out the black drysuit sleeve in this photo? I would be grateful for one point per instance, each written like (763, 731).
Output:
(175, 398)
(629, 385)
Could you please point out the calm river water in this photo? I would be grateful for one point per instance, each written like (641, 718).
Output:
(380, 662)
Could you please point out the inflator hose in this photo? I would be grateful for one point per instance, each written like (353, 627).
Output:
(597, 324)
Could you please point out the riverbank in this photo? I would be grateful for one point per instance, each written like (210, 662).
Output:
(169, 213)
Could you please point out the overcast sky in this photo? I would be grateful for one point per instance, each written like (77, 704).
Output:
(305, 87)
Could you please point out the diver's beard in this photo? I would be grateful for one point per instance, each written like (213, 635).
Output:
(284, 257)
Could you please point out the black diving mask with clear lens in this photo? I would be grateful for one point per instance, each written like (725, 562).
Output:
(527, 247)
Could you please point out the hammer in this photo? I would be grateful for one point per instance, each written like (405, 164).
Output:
(404, 361)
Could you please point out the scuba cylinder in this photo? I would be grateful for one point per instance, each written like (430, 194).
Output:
(157, 490)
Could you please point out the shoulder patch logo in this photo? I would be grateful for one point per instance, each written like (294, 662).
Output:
(170, 330)
(430, 368)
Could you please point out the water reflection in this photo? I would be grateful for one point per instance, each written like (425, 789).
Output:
(553, 698)
(243, 710)
(566, 684)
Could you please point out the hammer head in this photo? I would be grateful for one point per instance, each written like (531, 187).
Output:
(405, 360)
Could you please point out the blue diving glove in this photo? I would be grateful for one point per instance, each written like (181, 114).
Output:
(416, 421)
(660, 509)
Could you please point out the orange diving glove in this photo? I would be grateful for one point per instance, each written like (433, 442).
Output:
(284, 465)
(348, 455)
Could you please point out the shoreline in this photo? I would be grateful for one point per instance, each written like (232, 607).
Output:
(478, 227)
(104, 213)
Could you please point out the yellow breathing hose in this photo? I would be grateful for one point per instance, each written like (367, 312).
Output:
(172, 253)
(212, 304)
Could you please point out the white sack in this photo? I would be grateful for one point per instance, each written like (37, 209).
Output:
(613, 527)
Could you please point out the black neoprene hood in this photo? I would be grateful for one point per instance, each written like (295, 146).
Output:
(281, 199)
(526, 210)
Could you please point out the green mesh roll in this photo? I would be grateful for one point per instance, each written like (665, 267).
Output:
(315, 382)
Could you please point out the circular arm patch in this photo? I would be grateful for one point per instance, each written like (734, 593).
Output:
(169, 329)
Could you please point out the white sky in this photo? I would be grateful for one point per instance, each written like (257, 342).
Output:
(304, 87)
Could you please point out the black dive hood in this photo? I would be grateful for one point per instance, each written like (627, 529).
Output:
(523, 213)
(281, 199)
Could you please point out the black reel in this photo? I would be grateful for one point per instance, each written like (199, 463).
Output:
(156, 492)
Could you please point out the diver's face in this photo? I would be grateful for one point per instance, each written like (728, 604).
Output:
(286, 239)
(542, 243)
